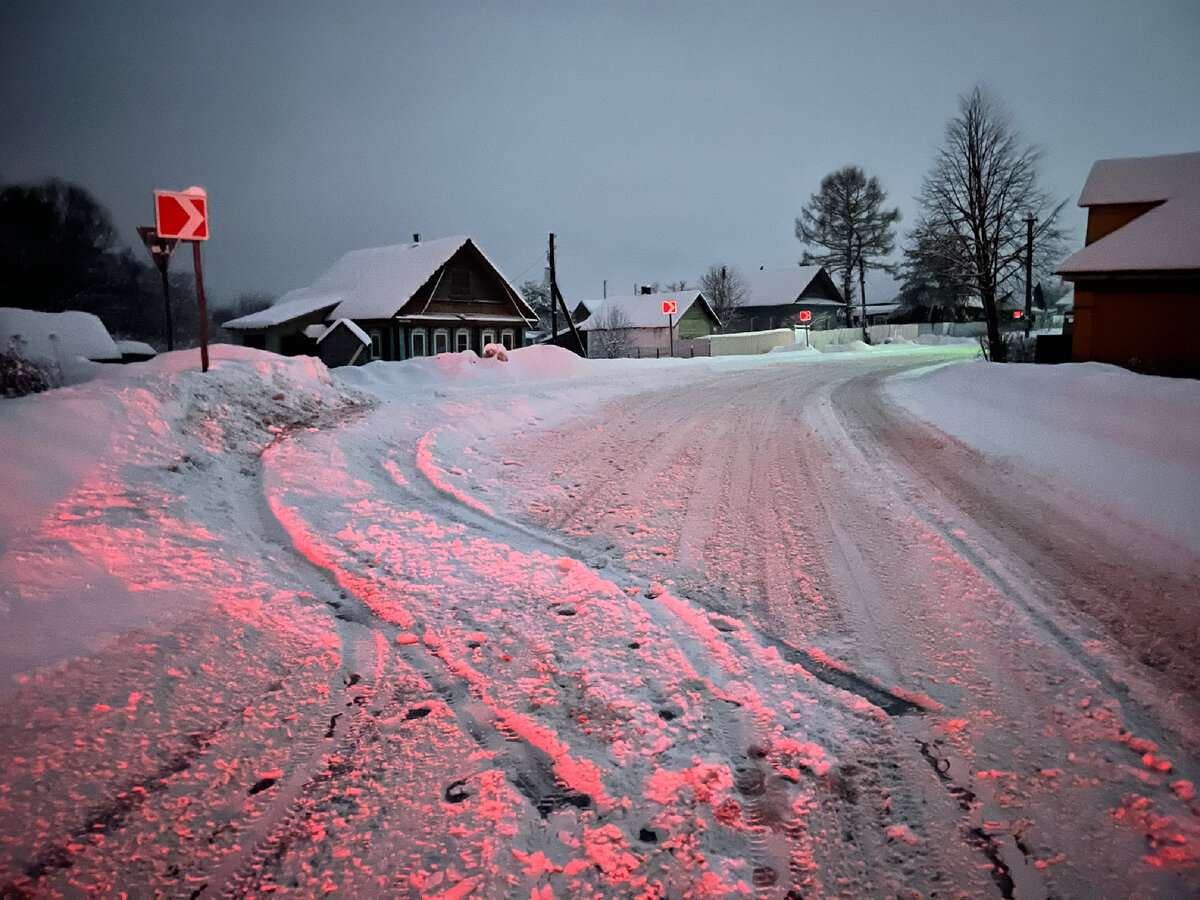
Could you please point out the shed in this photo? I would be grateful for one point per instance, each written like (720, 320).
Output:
(342, 344)
(1137, 279)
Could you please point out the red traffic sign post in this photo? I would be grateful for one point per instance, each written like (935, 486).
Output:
(670, 307)
(183, 215)
(806, 315)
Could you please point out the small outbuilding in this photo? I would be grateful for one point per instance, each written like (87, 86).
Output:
(343, 344)
(1137, 279)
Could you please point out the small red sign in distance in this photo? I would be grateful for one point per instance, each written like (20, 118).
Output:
(1017, 314)
(669, 307)
(806, 315)
(181, 215)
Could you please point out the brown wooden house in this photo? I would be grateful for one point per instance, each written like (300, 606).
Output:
(1137, 279)
(411, 300)
(775, 298)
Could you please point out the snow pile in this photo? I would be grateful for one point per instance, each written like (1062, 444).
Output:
(66, 343)
(1131, 441)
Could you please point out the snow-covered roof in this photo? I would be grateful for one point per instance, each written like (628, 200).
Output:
(642, 310)
(1161, 240)
(775, 287)
(1140, 179)
(136, 348)
(354, 330)
(292, 305)
(56, 337)
(367, 284)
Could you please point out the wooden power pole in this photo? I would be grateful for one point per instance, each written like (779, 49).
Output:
(555, 299)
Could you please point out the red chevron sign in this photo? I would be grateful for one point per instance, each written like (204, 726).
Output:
(182, 215)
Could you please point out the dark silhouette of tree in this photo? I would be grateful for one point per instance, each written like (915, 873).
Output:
(976, 199)
(54, 245)
(847, 221)
(725, 290)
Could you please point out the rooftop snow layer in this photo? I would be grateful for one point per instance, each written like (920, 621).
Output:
(1163, 239)
(364, 284)
(642, 310)
(774, 287)
(1142, 179)
(56, 337)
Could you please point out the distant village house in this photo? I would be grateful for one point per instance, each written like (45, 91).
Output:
(407, 300)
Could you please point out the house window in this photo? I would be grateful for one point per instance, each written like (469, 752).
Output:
(506, 338)
(419, 347)
(376, 344)
(460, 282)
(462, 340)
(488, 337)
(441, 341)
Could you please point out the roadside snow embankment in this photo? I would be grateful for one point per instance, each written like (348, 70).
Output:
(1131, 442)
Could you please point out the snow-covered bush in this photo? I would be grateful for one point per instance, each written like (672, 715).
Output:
(18, 376)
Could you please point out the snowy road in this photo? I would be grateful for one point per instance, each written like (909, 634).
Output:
(755, 631)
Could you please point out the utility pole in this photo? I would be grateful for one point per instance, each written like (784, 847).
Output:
(556, 298)
(553, 303)
(1029, 220)
(862, 292)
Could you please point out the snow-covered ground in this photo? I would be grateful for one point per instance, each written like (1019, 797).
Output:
(459, 627)
(1130, 441)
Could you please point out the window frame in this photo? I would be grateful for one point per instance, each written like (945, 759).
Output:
(462, 340)
(508, 339)
(444, 335)
(412, 342)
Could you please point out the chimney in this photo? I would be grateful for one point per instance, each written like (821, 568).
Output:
(416, 238)
(645, 289)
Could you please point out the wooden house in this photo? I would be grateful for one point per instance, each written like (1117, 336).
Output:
(776, 298)
(642, 329)
(410, 300)
(1137, 279)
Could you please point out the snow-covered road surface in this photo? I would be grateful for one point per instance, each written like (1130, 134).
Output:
(737, 629)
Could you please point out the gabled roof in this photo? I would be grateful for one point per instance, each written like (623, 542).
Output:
(1161, 240)
(778, 287)
(350, 326)
(370, 284)
(644, 310)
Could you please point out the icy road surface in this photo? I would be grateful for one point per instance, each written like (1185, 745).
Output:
(743, 631)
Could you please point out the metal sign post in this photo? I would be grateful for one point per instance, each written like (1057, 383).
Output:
(160, 251)
(183, 216)
(669, 308)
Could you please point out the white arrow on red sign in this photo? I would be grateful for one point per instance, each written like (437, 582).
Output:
(669, 307)
(182, 215)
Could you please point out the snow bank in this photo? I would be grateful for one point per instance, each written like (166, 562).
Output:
(69, 343)
(53, 441)
(1131, 441)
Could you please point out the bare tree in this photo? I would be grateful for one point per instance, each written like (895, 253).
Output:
(725, 290)
(611, 338)
(977, 198)
(846, 219)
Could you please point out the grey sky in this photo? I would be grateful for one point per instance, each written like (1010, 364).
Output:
(654, 139)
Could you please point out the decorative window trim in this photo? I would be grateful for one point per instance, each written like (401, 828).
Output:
(412, 342)
(488, 336)
(508, 339)
(441, 336)
(462, 340)
(376, 337)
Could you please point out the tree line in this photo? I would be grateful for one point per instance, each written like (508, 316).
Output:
(59, 250)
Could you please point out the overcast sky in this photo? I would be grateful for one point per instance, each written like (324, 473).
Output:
(655, 139)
